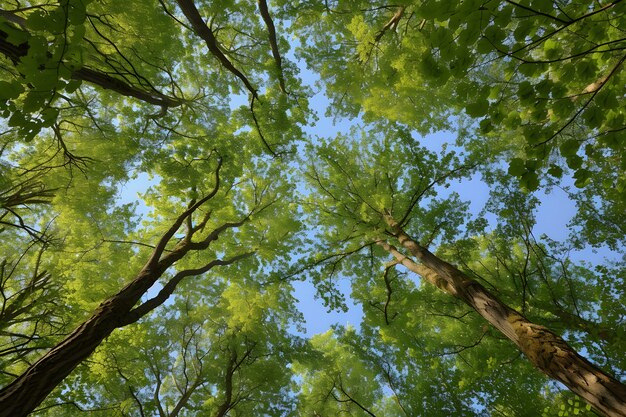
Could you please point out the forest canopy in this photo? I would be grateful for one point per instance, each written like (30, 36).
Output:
(336, 151)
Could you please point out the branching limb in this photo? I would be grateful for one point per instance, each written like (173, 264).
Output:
(350, 399)
(109, 82)
(593, 89)
(167, 236)
(392, 24)
(389, 291)
(16, 52)
(271, 29)
(168, 289)
(420, 193)
(202, 30)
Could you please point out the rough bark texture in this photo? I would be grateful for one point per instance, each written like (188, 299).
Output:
(25, 393)
(546, 351)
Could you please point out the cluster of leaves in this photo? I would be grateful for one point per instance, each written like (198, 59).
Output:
(541, 79)
(46, 47)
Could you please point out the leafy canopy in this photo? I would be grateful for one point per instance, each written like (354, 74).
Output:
(207, 108)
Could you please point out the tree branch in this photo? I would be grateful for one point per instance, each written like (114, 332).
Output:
(271, 29)
(168, 289)
(16, 52)
(202, 30)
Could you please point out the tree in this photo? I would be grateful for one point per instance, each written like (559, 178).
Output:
(364, 204)
(126, 307)
(214, 358)
(202, 103)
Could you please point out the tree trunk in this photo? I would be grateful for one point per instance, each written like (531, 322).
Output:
(545, 350)
(26, 392)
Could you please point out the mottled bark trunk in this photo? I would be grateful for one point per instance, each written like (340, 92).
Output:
(545, 350)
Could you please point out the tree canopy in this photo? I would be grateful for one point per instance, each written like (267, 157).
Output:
(180, 299)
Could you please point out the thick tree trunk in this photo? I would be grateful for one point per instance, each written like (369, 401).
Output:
(24, 394)
(27, 391)
(545, 350)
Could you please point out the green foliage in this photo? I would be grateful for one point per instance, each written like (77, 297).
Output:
(98, 98)
(558, 75)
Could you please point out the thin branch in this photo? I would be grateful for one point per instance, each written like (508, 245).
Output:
(258, 128)
(162, 243)
(537, 12)
(596, 89)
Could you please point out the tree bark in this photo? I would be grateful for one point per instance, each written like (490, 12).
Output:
(545, 350)
(26, 392)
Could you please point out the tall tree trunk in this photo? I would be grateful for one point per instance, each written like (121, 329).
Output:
(545, 350)
(26, 392)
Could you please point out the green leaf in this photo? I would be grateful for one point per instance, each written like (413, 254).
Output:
(485, 126)
(569, 147)
(555, 171)
(587, 70)
(478, 108)
(544, 6)
(530, 181)
(606, 99)
(72, 85)
(517, 167)
(551, 48)
(77, 12)
(484, 46)
(10, 90)
(523, 30)
(582, 177)
(594, 116)
(49, 116)
(574, 161)
(525, 91)
(37, 20)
